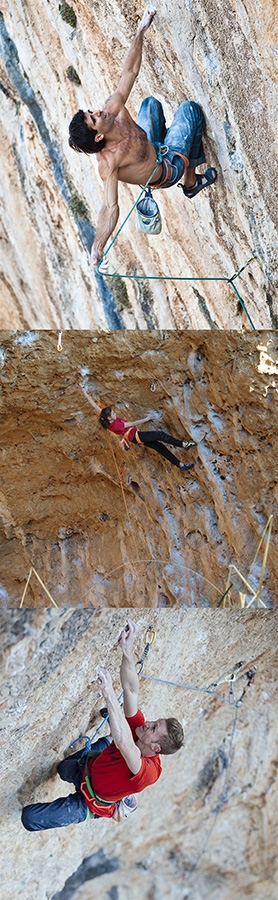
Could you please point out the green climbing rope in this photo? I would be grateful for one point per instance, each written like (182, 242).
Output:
(169, 277)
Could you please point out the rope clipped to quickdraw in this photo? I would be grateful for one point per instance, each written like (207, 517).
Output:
(150, 637)
(102, 266)
(233, 676)
(224, 796)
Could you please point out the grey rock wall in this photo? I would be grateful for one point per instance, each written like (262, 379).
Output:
(176, 845)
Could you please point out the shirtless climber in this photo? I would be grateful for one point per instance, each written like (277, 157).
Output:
(129, 762)
(130, 153)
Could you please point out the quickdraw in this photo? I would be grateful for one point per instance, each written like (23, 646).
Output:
(150, 637)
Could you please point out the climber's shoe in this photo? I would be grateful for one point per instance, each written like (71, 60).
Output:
(184, 466)
(202, 181)
(187, 444)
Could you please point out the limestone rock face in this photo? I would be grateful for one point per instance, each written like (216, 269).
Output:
(103, 526)
(220, 54)
(209, 826)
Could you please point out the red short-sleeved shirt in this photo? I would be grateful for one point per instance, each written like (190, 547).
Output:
(118, 426)
(109, 773)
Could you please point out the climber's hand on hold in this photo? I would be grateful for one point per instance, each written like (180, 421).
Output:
(104, 680)
(147, 18)
(95, 258)
(127, 637)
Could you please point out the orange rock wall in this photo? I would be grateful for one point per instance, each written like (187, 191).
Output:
(107, 527)
(221, 55)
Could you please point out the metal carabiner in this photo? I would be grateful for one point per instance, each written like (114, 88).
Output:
(150, 636)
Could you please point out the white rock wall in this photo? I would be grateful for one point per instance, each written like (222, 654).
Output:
(224, 56)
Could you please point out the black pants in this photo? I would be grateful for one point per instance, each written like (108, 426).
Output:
(152, 439)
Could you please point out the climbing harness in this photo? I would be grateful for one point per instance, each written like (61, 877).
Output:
(32, 569)
(102, 266)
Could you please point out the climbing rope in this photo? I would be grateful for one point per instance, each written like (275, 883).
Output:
(255, 598)
(150, 637)
(103, 264)
(122, 490)
(190, 687)
(230, 678)
(223, 799)
(225, 598)
(32, 569)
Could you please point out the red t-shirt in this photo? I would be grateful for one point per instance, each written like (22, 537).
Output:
(118, 426)
(109, 773)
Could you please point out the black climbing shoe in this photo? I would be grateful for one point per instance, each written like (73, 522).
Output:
(187, 444)
(202, 181)
(184, 466)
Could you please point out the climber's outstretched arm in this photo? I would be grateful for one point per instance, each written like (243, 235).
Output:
(128, 674)
(91, 401)
(132, 64)
(119, 727)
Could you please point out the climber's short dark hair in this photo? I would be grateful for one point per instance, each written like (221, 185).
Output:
(82, 138)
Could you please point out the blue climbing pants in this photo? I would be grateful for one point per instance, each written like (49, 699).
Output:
(66, 810)
(184, 136)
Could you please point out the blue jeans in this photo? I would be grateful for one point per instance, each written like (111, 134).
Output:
(184, 135)
(66, 810)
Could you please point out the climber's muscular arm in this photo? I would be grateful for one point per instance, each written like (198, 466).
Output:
(108, 215)
(132, 64)
(119, 727)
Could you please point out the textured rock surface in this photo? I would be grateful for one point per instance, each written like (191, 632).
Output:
(221, 54)
(62, 508)
(49, 697)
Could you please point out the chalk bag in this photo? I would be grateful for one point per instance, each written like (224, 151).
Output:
(147, 215)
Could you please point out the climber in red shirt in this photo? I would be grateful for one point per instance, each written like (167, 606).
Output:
(129, 433)
(129, 763)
